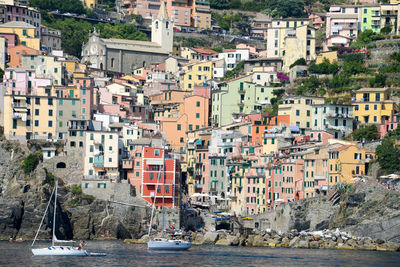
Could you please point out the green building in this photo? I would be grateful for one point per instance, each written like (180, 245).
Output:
(238, 97)
(370, 18)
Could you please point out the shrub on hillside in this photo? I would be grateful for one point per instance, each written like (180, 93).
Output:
(30, 163)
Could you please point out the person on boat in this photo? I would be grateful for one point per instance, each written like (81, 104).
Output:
(81, 245)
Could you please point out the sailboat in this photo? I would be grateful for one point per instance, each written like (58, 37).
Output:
(164, 243)
(54, 250)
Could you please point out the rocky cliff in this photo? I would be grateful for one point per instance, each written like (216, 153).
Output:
(363, 209)
(23, 200)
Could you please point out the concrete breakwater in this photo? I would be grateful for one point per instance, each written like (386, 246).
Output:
(293, 239)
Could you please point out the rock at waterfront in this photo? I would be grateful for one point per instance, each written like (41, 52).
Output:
(210, 238)
(303, 244)
(258, 241)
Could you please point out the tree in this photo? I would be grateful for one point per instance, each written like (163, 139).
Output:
(388, 156)
(324, 68)
(64, 6)
(367, 133)
(30, 163)
(309, 86)
(378, 81)
(300, 61)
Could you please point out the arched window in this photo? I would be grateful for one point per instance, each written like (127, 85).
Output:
(156, 25)
(144, 64)
(112, 63)
(166, 25)
(101, 66)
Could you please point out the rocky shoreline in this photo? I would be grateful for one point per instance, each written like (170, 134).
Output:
(292, 239)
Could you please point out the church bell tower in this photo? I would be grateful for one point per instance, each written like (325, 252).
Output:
(162, 31)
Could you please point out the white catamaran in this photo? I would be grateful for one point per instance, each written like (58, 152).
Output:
(164, 243)
(54, 250)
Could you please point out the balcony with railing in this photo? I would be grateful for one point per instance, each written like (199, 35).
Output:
(198, 186)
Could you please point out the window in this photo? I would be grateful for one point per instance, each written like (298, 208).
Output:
(366, 107)
(109, 159)
(197, 103)
(50, 123)
(178, 126)
(297, 112)
(197, 115)
(356, 107)
(37, 101)
(37, 112)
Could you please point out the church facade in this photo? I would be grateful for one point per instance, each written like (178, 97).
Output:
(124, 56)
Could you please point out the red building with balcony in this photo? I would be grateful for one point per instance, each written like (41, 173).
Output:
(153, 184)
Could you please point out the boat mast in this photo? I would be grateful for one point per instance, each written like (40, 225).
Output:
(54, 215)
(44, 215)
(163, 187)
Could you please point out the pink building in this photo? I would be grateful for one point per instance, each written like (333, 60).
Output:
(178, 11)
(288, 167)
(318, 19)
(321, 136)
(113, 109)
(203, 90)
(12, 39)
(341, 25)
(202, 171)
(388, 125)
(252, 49)
(25, 14)
(132, 169)
(23, 82)
(85, 85)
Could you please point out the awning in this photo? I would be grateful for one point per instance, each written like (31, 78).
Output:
(294, 128)
(196, 195)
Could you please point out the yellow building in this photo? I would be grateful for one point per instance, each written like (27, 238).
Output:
(198, 54)
(70, 65)
(201, 15)
(373, 105)
(291, 39)
(40, 114)
(197, 73)
(90, 3)
(347, 162)
(299, 109)
(330, 55)
(30, 117)
(389, 16)
(298, 43)
(25, 32)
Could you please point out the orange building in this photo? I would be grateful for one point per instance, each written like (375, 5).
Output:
(268, 122)
(178, 112)
(16, 53)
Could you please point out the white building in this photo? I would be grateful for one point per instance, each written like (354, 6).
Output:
(102, 151)
(233, 56)
(334, 118)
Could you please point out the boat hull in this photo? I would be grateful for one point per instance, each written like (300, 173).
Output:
(59, 251)
(169, 245)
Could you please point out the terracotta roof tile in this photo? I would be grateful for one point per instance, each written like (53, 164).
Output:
(205, 51)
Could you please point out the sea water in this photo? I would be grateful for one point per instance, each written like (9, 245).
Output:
(124, 254)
